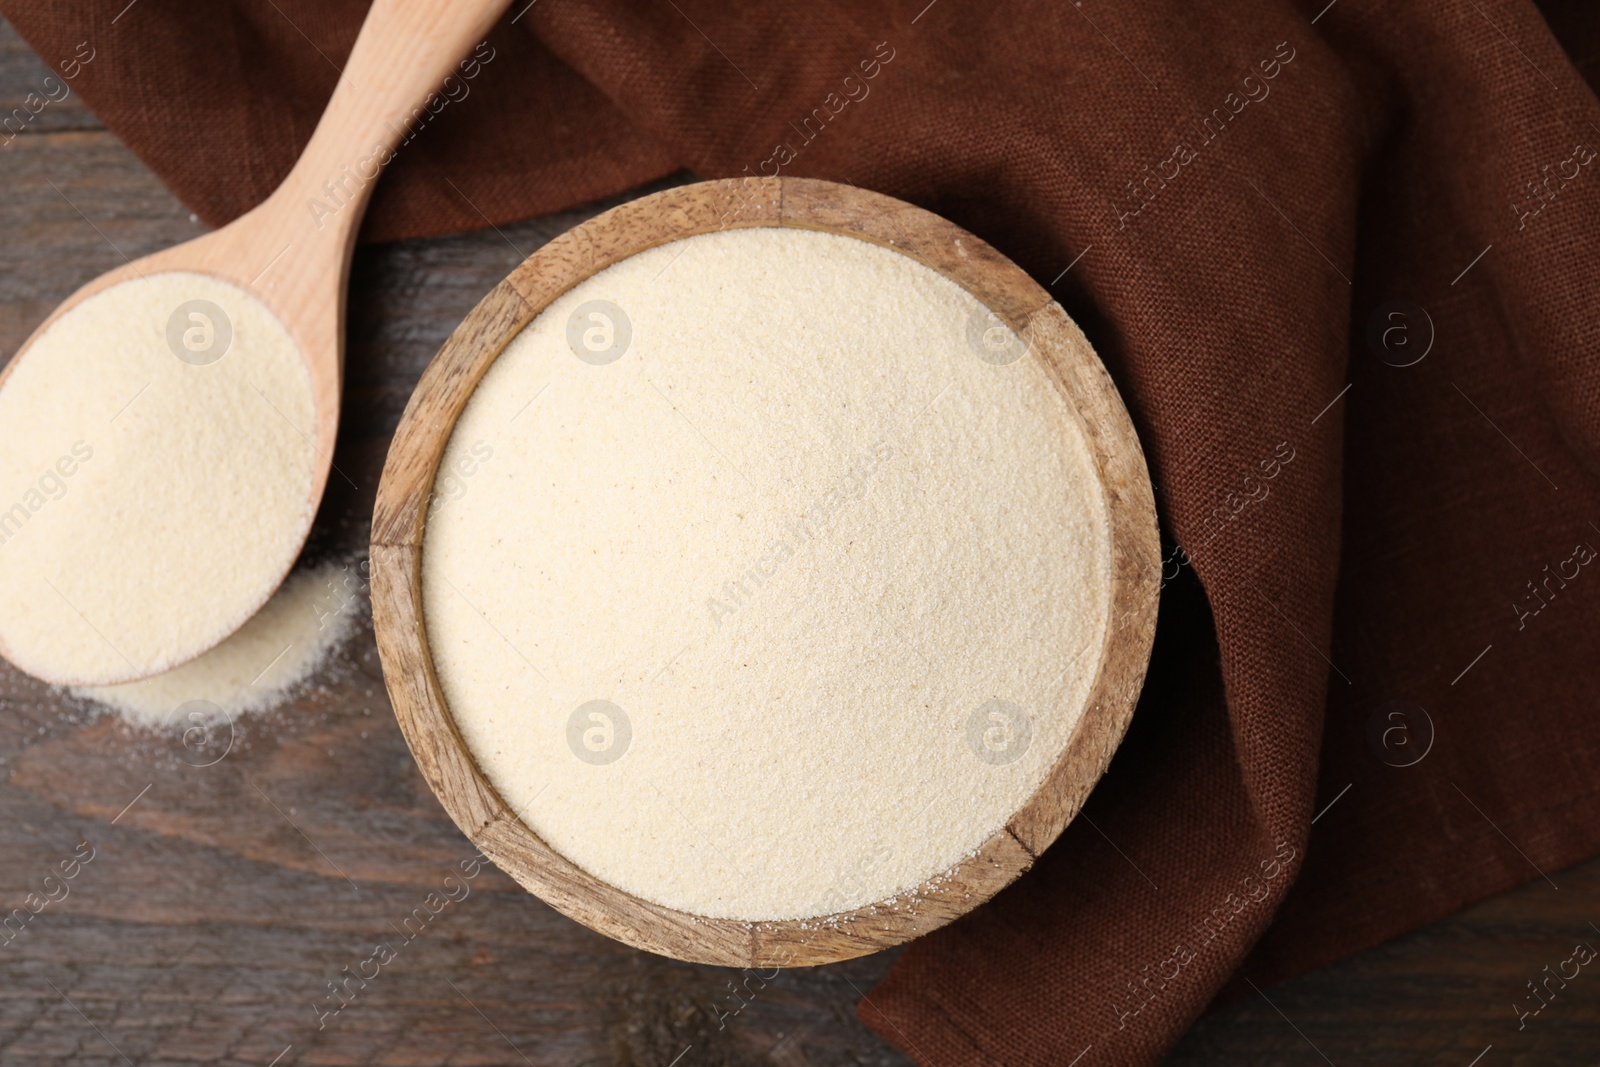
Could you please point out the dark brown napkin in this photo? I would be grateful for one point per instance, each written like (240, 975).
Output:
(1341, 260)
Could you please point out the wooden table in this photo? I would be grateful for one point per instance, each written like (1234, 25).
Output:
(222, 900)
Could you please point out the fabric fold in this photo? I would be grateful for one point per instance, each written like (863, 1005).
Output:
(1338, 258)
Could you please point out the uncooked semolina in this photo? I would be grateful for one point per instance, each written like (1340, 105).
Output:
(788, 580)
(156, 470)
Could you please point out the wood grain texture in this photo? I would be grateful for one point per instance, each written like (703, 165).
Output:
(206, 923)
(429, 421)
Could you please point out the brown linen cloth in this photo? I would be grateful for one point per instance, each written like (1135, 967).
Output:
(1258, 210)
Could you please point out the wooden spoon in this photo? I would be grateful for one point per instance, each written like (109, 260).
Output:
(292, 253)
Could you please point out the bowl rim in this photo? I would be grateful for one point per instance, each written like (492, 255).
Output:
(453, 375)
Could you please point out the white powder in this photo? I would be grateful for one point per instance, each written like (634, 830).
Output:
(281, 646)
(149, 504)
(804, 538)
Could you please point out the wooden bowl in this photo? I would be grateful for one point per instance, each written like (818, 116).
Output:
(425, 429)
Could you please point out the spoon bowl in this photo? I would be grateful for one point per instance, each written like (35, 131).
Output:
(184, 501)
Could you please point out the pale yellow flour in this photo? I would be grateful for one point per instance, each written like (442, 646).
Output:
(150, 500)
(787, 582)
(281, 646)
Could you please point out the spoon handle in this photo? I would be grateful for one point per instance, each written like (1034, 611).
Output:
(390, 87)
